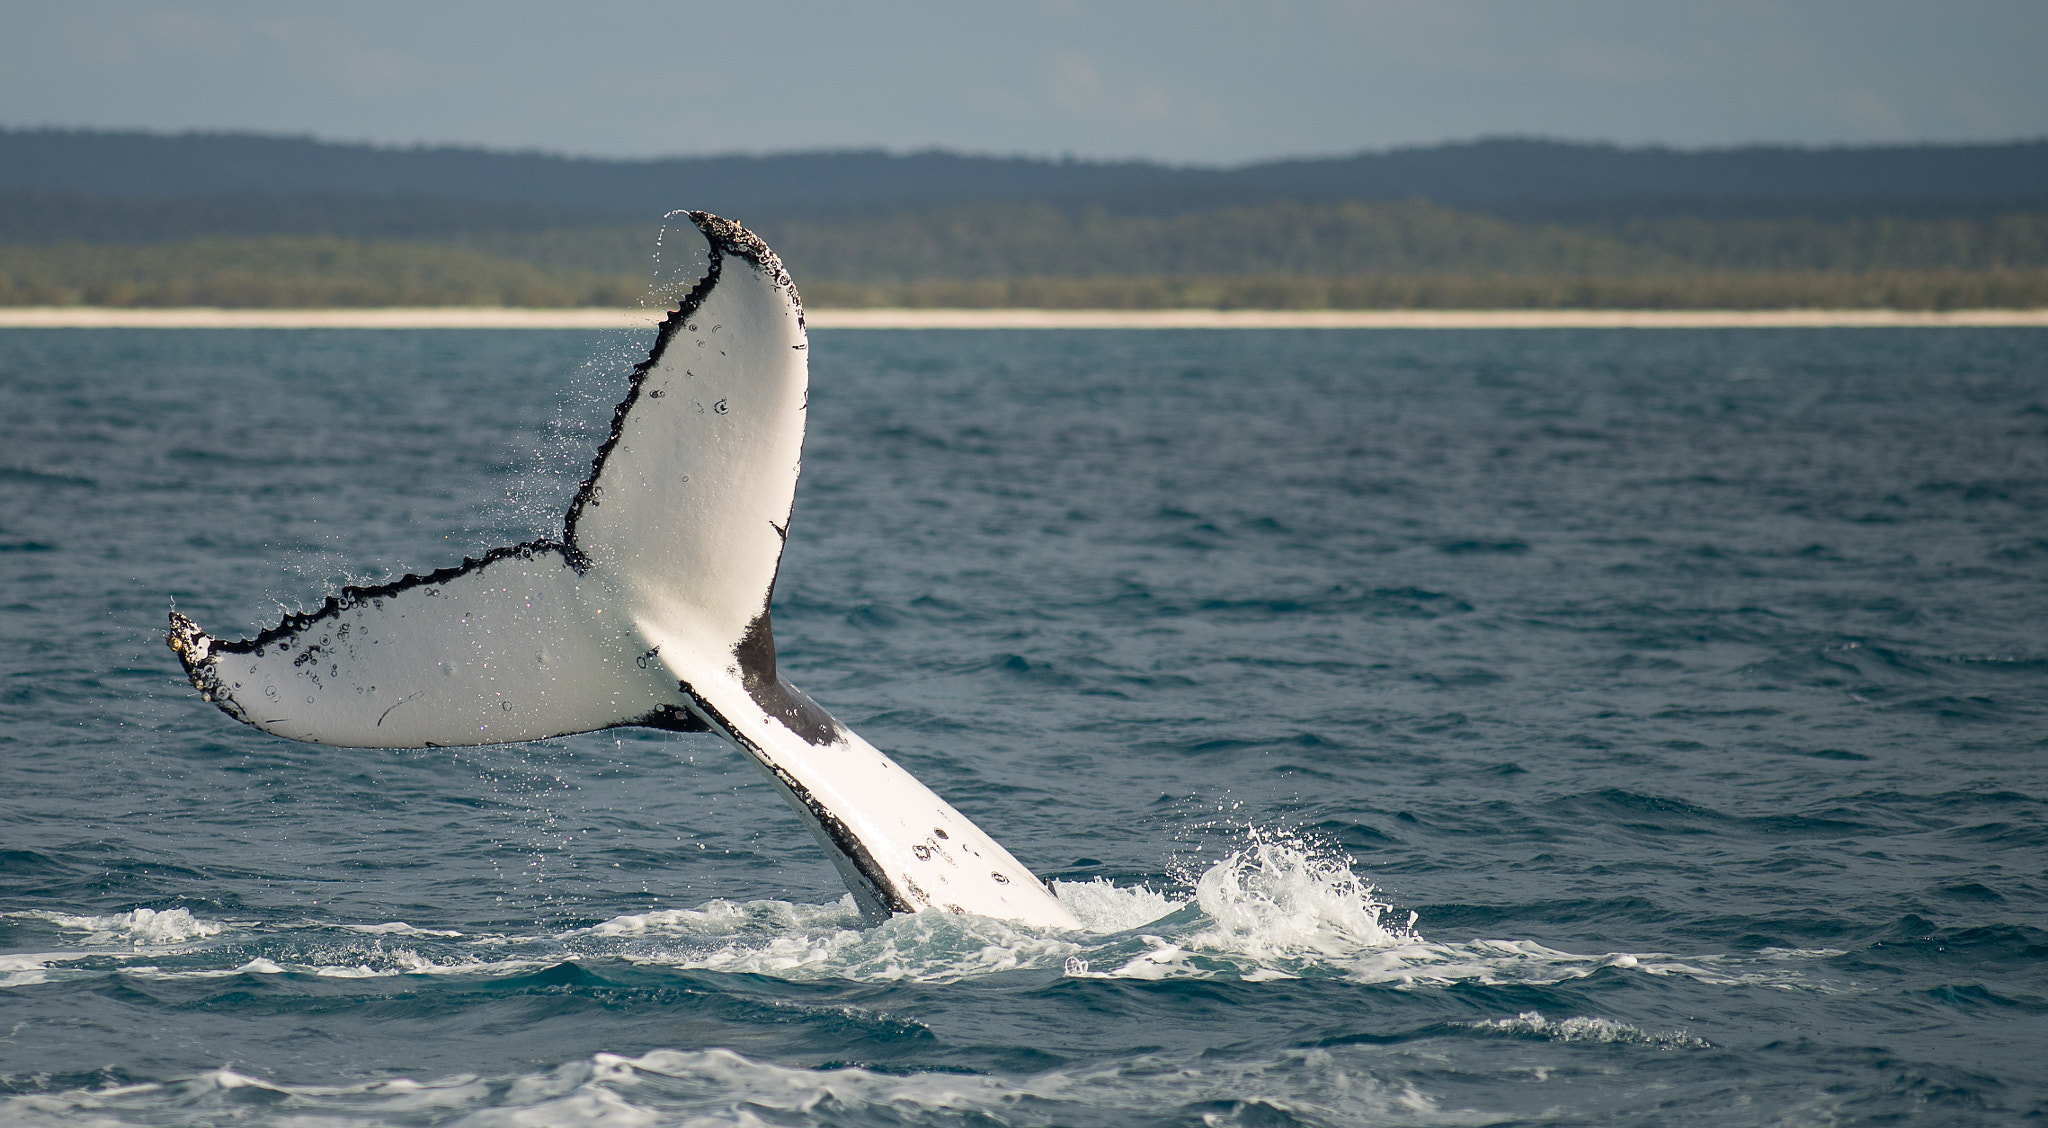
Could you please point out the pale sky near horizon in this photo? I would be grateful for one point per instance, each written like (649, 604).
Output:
(1192, 82)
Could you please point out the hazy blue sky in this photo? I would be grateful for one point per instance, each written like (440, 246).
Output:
(1185, 82)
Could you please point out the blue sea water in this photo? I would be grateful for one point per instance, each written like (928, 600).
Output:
(1561, 727)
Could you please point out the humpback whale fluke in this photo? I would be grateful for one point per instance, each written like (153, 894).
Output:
(652, 609)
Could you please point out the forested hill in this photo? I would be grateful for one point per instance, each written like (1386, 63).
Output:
(1520, 178)
(242, 220)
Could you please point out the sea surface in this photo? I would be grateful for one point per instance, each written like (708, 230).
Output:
(1496, 727)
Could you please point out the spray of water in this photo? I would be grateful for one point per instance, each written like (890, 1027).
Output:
(1282, 896)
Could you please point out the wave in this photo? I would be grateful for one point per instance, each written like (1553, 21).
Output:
(719, 1086)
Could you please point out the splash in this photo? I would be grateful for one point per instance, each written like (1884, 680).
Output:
(1276, 905)
(1282, 898)
(139, 927)
(1282, 905)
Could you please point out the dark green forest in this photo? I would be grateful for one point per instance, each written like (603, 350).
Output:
(1266, 237)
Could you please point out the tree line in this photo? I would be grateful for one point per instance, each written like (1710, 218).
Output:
(60, 249)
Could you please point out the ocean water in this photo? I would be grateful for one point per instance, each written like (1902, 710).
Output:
(1553, 727)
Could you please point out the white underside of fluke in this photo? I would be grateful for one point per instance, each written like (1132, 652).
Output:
(651, 610)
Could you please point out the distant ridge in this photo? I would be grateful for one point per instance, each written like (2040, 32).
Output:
(1526, 177)
(248, 221)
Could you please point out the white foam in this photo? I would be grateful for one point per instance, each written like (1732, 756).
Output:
(138, 927)
(726, 918)
(798, 941)
(1103, 907)
(23, 971)
(1277, 906)
(1582, 1029)
(1801, 953)
(405, 961)
(398, 928)
(721, 1087)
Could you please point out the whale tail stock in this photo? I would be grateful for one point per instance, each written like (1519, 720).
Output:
(651, 609)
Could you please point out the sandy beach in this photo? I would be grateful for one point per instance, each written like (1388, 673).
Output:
(86, 317)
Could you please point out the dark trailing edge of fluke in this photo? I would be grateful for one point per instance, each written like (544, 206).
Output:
(868, 880)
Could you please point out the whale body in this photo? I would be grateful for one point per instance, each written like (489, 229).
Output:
(651, 609)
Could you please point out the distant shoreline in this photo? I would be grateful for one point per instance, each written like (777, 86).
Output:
(93, 317)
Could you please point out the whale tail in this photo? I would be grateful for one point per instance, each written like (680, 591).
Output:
(651, 609)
